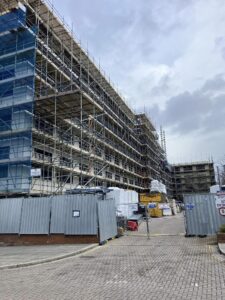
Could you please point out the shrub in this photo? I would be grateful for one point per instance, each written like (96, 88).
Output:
(222, 228)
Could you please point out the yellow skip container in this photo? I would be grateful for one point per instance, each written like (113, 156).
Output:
(146, 198)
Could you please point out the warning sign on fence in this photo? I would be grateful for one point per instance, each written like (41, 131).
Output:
(220, 203)
(222, 211)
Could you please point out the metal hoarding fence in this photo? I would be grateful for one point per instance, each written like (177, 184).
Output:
(35, 216)
(76, 214)
(107, 219)
(58, 215)
(202, 217)
(81, 215)
(10, 215)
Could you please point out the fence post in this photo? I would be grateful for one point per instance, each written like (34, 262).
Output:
(147, 224)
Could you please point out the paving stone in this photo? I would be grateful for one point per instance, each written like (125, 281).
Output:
(131, 267)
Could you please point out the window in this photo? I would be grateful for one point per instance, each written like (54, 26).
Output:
(108, 156)
(200, 167)
(5, 119)
(117, 177)
(46, 174)
(97, 169)
(42, 155)
(117, 160)
(130, 168)
(83, 167)
(64, 161)
(108, 175)
(4, 152)
(3, 171)
(188, 168)
(98, 152)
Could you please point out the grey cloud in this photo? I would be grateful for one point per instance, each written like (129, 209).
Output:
(162, 87)
(184, 113)
(215, 120)
(124, 32)
(220, 44)
(219, 41)
(215, 84)
(195, 113)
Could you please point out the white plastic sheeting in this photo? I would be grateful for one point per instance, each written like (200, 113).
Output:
(167, 212)
(214, 189)
(157, 186)
(126, 201)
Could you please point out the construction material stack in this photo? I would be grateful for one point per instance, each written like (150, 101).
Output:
(126, 201)
(156, 200)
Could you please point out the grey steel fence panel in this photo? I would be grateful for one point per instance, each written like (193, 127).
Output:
(35, 216)
(201, 215)
(10, 213)
(107, 219)
(85, 222)
(58, 214)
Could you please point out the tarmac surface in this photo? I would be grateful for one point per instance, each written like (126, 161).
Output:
(166, 266)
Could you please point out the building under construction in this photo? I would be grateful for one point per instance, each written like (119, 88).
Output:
(62, 123)
(194, 177)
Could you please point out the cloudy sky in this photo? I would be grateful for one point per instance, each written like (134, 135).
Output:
(167, 58)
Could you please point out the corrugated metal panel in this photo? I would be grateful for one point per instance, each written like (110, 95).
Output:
(201, 215)
(58, 214)
(10, 213)
(107, 219)
(86, 222)
(35, 216)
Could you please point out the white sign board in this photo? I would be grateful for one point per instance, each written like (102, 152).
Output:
(220, 200)
(76, 213)
(35, 172)
(163, 206)
(189, 206)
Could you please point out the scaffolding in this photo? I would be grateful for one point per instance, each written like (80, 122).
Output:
(61, 114)
(193, 177)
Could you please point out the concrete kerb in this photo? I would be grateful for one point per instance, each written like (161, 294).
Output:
(51, 259)
(153, 234)
(221, 248)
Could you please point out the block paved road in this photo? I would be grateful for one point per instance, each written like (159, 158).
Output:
(132, 267)
(173, 225)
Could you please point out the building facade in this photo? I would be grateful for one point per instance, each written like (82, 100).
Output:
(62, 123)
(192, 178)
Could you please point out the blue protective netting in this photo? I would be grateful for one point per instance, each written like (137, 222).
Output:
(12, 20)
(17, 69)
